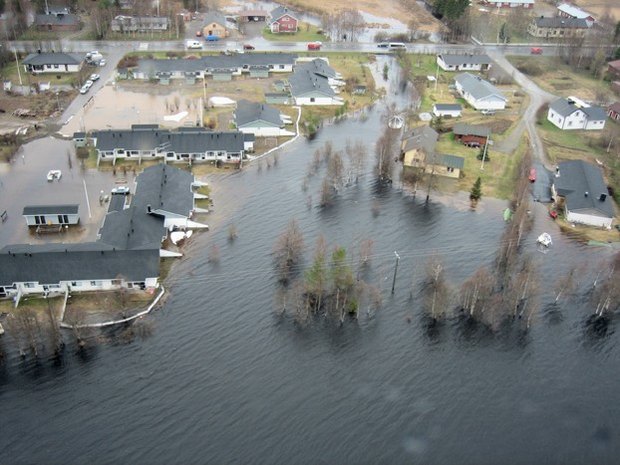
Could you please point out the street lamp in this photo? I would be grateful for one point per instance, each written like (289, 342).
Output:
(57, 102)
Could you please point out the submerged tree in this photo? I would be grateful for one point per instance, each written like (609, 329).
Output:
(288, 251)
(385, 150)
(435, 290)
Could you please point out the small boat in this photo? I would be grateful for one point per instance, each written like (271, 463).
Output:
(54, 174)
(545, 240)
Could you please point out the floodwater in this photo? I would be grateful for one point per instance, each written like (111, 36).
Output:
(224, 379)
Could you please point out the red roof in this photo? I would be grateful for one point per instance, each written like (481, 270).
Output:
(614, 64)
(614, 107)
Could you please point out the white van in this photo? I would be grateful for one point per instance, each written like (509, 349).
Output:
(397, 46)
(193, 44)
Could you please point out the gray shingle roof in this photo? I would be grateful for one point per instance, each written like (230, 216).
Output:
(152, 67)
(448, 107)
(422, 137)
(52, 263)
(249, 112)
(280, 11)
(56, 20)
(165, 188)
(559, 22)
(318, 66)
(132, 228)
(184, 140)
(595, 113)
(578, 177)
(478, 87)
(304, 82)
(566, 107)
(463, 129)
(214, 17)
(52, 58)
(452, 161)
(50, 210)
(459, 60)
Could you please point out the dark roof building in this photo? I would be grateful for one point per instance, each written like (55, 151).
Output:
(57, 22)
(164, 188)
(463, 129)
(51, 209)
(52, 58)
(304, 82)
(422, 137)
(561, 23)
(250, 112)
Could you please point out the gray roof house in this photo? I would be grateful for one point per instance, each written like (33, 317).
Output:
(585, 194)
(447, 109)
(572, 113)
(418, 152)
(308, 88)
(39, 215)
(479, 93)
(188, 145)
(464, 62)
(423, 137)
(558, 27)
(60, 21)
(259, 119)
(52, 62)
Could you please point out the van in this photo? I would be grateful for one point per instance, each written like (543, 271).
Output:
(397, 46)
(193, 44)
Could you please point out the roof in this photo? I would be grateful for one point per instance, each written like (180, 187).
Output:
(478, 87)
(249, 112)
(183, 140)
(56, 20)
(615, 107)
(318, 66)
(565, 107)
(523, 2)
(581, 184)
(79, 135)
(52, 263)
(152, 67)
(280, 11)
(573, 11)
(303, 82)
(452, 161)
(457, 60)
(447, 107)
(132, 228)
(52, 58)
(214, 17)
(248, 13)
(614, 64)
(50, 210)
(165, 188)
(422, 137)
(559, 22)
(464, 129)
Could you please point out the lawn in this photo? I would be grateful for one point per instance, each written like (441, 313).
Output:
(305, 33)
(9, 73)
(498, 173)
(555, 76)
(568, 145)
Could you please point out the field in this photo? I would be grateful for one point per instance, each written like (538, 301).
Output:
(600, 7)
(305, 33)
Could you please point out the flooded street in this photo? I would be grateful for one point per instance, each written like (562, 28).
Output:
(225, 379)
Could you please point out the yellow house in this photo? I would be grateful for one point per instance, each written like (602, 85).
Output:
(418, 153)
(215, 25)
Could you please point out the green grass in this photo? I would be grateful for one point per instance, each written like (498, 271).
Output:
(9, 72)
(305, 33)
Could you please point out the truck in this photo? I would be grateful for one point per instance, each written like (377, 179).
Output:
(94, 57)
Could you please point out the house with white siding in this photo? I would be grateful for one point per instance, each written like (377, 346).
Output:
(580, 189)
(463, 62)
(259, 119)
(573, 113)
(53, 62)
(480, 94)
(510, 3)
(308, 88)
(51, 215)
(450, 110)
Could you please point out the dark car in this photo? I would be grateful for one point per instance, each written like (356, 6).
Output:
(248, 47)
(532, 175)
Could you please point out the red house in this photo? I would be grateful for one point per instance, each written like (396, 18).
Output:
(613, 69)
(283, 20)
(470, 135)
(613, 111)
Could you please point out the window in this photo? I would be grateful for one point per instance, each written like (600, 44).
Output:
(29, 285)
(93, 283)
(449, 169)
(116, 282)
(312, 99)
(281, 66)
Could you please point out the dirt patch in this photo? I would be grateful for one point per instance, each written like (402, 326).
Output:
(89, 308)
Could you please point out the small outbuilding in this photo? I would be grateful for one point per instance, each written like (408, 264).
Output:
(452, 110)
(51, 215)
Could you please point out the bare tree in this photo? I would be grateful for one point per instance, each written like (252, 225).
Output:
(288, 251)
(385, 150)
(436, 294)
(475, 294)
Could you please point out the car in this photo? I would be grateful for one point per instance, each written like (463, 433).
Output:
(94, 77)
(198, 33)
(536, 51)
(383, 45)
(102, 62)
(88, 84)
(532, 175)
(120, 190)
(84, 89)
(488, 112)
(314, 46)
(248, 47)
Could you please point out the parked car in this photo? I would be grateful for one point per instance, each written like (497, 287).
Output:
(84, 89)
(314, 46)
(94, 77)
(193, 44)
(532, 175)
(102, 62)
(212, 38)
(536, 51)
(383, 45)
(88, 84)
(120, 190)
(198, 33)
(488, 112)
(248, 47)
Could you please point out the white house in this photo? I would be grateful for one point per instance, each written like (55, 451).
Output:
(308, 88)
(465, 62)
(55, 215)
(53, 63)
(510, 3)
(479, 93)
(320, 67)
(585, 196)
(259, 119)
(572, 113)
(566, 10)
(451, 110)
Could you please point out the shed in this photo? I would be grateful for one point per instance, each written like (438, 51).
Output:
(277, 98)
(54, 215)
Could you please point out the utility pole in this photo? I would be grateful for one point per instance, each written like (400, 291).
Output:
(18, 72)
(395, 270)
(484, 153)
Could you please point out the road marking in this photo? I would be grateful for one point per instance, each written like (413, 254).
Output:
(87, 202)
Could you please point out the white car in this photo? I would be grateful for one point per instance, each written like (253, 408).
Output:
(120, 190)
(84, 89)
(94, 77)
(88, 84)
(102, 62)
